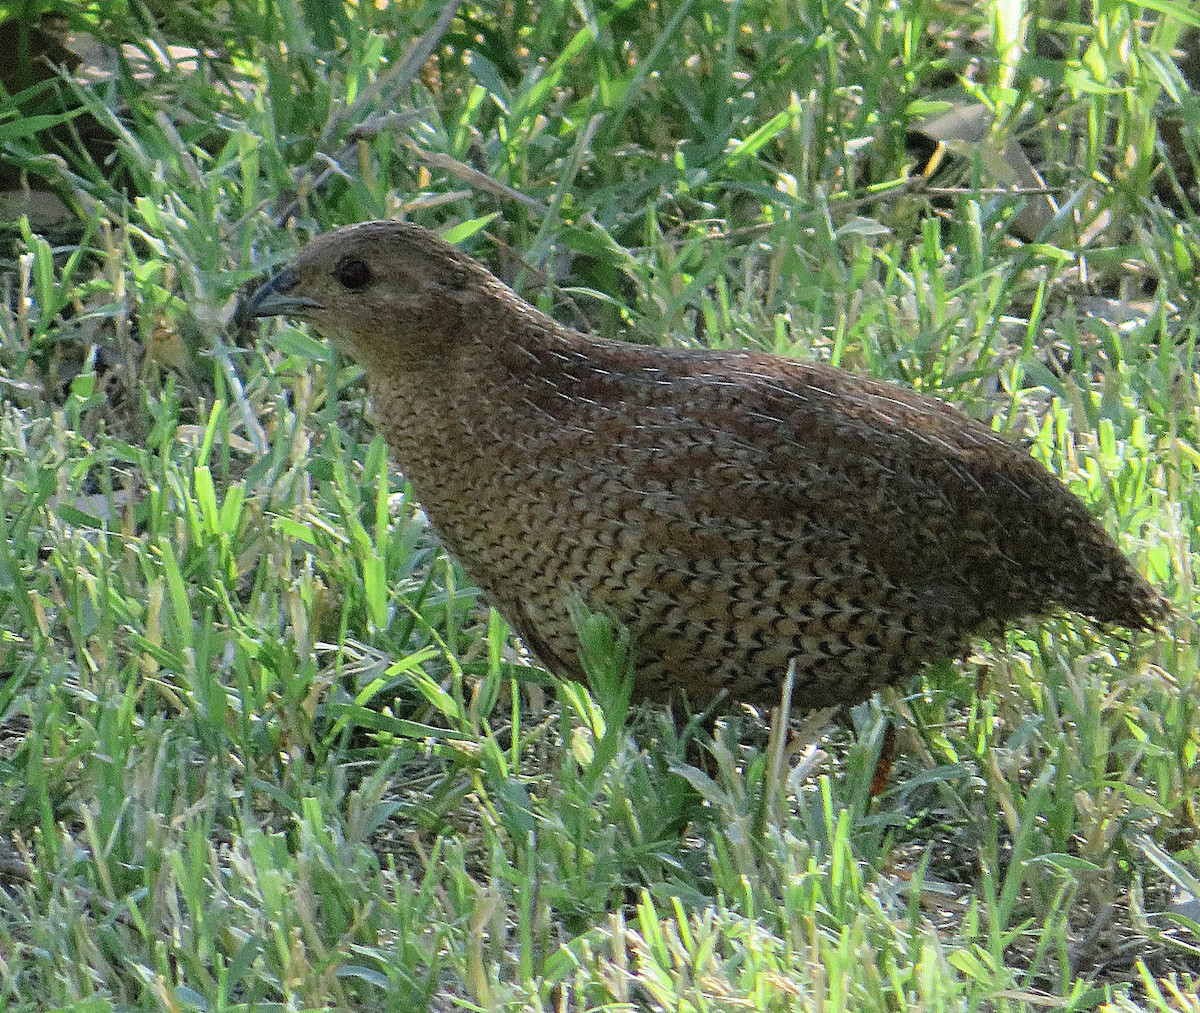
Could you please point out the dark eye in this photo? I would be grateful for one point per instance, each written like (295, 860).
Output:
(353, 274)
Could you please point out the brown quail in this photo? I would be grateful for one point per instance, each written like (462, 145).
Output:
(735, 510)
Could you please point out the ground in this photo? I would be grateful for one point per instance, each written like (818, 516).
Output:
(262, 746)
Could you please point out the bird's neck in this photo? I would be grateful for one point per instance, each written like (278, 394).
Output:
(460, 420)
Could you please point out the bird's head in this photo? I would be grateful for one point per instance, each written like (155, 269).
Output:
(386, 292)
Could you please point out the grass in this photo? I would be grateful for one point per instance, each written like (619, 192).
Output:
(261, 746)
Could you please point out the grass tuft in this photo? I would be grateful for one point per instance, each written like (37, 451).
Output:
(261, 745)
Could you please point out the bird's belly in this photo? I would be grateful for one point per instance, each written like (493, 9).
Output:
(712, 604)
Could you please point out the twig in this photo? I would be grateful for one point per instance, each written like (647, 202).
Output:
(385, 89)
(474, 177)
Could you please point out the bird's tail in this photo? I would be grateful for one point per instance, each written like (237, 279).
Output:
(1112, 591)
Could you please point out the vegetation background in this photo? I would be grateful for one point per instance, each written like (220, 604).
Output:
(261, 748)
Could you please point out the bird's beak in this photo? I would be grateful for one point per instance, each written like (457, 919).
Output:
(272, 299)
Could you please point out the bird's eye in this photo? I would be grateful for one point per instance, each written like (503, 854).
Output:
(353, 274)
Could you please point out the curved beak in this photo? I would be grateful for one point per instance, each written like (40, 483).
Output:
(272, 299)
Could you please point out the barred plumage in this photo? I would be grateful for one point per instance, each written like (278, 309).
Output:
(735, 510)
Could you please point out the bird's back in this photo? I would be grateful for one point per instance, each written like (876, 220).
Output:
(737, 511)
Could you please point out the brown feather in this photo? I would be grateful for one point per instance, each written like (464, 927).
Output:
(734, 510)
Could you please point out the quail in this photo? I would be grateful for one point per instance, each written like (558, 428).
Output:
(737, 511)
